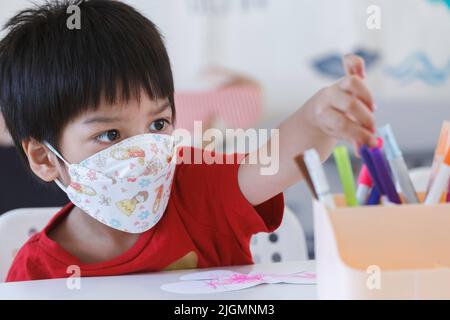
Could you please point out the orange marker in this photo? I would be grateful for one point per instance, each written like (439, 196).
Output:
(439, 153)
(440, 182)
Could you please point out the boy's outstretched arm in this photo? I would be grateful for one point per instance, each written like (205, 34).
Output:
(343, 110)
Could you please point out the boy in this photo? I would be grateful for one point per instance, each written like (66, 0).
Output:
(93, 105)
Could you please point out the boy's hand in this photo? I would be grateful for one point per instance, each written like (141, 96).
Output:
(344, 110)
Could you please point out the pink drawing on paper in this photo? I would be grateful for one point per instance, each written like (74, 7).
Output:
(225, 280)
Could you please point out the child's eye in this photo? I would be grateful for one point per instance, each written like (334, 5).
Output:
(159, 125)
(108, 136)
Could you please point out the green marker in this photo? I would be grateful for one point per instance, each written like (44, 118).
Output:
(346, 175)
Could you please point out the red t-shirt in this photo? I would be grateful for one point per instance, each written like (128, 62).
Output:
(207, 223)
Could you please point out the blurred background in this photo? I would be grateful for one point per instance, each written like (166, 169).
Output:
(251, 63)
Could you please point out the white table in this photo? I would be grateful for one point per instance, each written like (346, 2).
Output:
(147, 286)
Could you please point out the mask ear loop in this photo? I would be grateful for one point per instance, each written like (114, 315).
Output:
(56, 153)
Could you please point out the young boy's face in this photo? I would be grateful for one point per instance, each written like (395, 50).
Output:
(96, 130)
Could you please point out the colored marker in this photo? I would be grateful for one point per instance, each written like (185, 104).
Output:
(374, 197)
(367, 158)
(379, 172)
(346, 175)
(398, 164)
(447, 199)
(377, 190)
(441, 150)
(382, 169)
(318, 177)
(365, 182)
(440, 182)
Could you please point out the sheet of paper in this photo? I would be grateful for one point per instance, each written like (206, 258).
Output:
(224, 280)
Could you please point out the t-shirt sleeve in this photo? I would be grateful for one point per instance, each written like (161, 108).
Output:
(217, 201)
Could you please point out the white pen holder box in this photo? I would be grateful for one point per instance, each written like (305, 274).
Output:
(382, 252)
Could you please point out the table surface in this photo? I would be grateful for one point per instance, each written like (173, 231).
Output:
(148, 286)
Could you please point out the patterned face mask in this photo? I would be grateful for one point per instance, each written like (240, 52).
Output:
(126, 186)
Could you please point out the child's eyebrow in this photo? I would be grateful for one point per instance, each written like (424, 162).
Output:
(104, 119)
(101, 119)
(160, 109)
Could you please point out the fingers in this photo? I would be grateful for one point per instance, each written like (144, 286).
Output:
(356, 147)
(354, 66)
(338, 125)
(351, 113)
(354, 108)
(355, 86)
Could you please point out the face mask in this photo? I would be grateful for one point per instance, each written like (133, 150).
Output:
(126, 186)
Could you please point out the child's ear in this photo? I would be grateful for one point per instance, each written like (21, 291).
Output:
(42, 161)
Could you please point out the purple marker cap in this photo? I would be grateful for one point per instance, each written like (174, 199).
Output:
(383, 175)
(367, 158)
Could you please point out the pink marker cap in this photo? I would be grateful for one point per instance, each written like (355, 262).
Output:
(364, 177)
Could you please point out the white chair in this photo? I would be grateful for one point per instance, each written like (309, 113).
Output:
(420, 177)
(287, 243)
(16, 227)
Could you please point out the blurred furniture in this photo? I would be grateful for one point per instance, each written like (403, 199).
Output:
(221, 99)
(20, 189)
(16, 227)
(287, 243)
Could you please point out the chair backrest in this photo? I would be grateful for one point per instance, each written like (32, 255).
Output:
(287, 243)
(16, 227)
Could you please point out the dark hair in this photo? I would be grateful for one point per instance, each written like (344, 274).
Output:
(50, 74)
